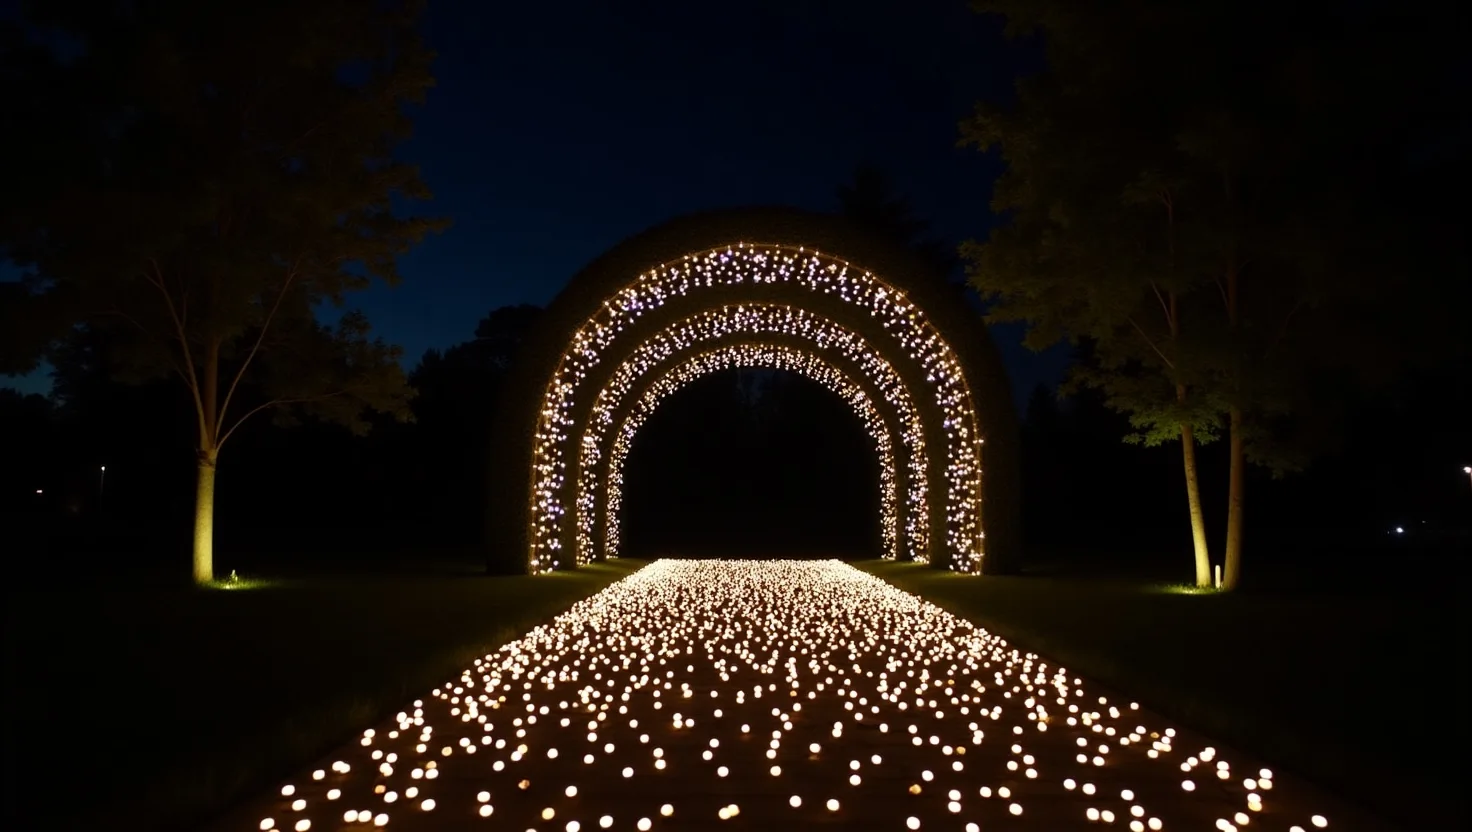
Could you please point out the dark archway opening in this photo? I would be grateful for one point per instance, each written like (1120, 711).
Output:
(752, 463)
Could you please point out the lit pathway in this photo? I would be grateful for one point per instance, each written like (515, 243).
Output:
(778, 696)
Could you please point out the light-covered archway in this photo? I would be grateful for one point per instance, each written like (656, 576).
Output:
(806, 364)
(750, 277)
(748, 326)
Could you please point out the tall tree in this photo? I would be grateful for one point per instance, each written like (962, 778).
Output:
(205, 183)
(872, 202)
(1093, 250)
(458, 392)
(1217, 228)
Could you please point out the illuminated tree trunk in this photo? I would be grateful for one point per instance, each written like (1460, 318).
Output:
(1188, 440)
(1232, 557)
(204, 520)
(207, 401)
(1193, 500)
(1236, 486)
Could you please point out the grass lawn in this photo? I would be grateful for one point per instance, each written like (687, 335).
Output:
(1362, 693)
(155, 708)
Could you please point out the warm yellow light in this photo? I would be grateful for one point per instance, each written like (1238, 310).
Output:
(919, 343)
(611, 671)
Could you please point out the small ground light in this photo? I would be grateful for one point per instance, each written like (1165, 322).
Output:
(670, 592)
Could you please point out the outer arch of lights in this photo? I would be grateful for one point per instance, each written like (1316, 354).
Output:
(763, 324)
(806, 364)
(753, 264)
(922, 326)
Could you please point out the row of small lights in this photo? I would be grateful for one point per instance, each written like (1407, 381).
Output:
(756, 265)
(601, 705)
(806, 364)
(761, 321)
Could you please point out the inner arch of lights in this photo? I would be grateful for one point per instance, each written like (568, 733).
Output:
(762, 267)
(806, 364)
(760, 322)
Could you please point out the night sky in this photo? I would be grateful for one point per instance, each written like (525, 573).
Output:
(557, 130)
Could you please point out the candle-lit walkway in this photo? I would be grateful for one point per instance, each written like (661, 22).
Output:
(775, 695)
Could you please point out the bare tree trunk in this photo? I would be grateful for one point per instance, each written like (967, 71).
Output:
(1236, 485)
(209, 456)
(204, 521)
(1193, 500)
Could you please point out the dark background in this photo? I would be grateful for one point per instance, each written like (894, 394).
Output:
(554, 132)
(716, 470)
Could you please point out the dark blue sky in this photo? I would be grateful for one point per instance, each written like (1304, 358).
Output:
(558, 129)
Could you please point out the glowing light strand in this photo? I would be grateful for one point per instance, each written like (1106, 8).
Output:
(791, 360)
(762, 321)
(755, 265)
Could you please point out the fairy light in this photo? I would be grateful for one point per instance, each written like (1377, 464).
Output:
(807, 364)
(802, 363)
(689, 679)
(762, 321)
(919, 344)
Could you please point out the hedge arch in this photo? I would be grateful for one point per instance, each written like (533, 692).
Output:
(727, 261)
(601, 508)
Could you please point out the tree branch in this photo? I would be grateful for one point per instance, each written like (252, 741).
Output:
(278, 403)
(1169, 319)
(173, 365)
(1153, 347)
(192, 379)
(256, 347)
(1283, 328)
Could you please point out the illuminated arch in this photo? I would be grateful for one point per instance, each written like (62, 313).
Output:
(838, 347)
(776, 257)
(807, 364)
(770, 325)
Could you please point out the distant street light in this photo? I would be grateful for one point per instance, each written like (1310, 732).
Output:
(1467, 469)
(101, 480)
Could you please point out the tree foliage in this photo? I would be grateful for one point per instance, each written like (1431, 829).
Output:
(1169, 145)
(872, 201)
(208, 183)
(1208, 194)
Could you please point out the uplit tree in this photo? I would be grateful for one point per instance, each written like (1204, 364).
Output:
(206, 184)
(1204, 198)
(1094, 249)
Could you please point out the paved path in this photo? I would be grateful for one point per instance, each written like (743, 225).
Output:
(775, 695)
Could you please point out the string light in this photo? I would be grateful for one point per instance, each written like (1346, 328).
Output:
(760, 322)
(806, 364)
(756, 266)
(806, 692)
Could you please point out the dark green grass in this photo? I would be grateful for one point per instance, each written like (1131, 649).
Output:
(157, 709)
(1360, 693)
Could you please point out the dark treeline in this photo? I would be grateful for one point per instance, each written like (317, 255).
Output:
(1394, 461)
(298, 493)
(736, 463)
